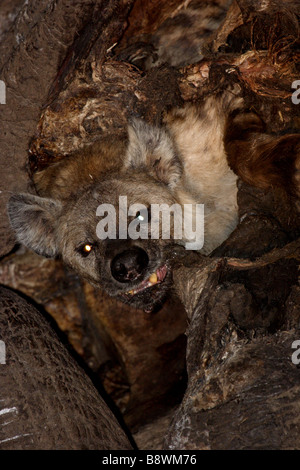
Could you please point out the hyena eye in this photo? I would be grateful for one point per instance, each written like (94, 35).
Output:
(143, 216)
(85, 249)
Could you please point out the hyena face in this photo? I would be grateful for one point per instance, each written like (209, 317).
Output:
(135, 271)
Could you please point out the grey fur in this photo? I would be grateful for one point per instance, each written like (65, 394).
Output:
(151, 147)
(33, 220)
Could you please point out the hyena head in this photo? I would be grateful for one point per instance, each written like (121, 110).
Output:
(135, 270)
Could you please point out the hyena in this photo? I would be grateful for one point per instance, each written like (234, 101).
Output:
(185, 161)
(182, 162)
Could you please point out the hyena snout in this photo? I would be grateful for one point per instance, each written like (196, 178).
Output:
(129, 265)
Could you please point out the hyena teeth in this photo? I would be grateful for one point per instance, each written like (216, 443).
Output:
(157, 276)
(153, 278)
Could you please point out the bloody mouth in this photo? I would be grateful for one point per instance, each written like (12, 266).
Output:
(155, 278)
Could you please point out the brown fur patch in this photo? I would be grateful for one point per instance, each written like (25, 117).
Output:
(261, 159)
(79, 170)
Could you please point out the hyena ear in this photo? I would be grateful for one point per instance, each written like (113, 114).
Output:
(33, 220)
(152, 148)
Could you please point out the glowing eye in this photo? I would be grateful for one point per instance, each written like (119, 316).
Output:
(86, 249)
(143, 215)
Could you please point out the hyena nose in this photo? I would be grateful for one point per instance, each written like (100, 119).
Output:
(128, 265)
